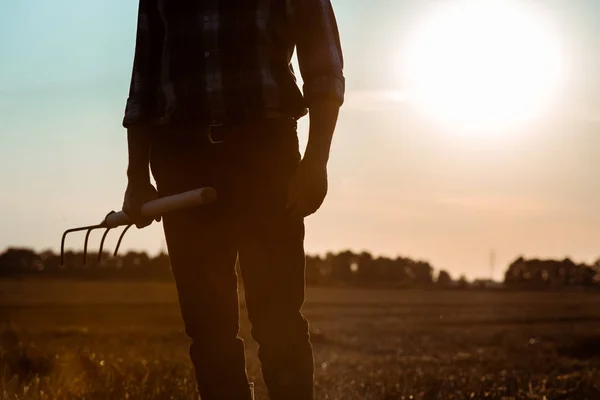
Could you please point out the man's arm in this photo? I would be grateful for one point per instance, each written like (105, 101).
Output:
(141, 110)
(321, 65)
(141, 107)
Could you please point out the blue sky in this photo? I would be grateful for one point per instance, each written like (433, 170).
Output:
(399, 184)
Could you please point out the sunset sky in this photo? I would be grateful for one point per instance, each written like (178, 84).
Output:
(465, 129)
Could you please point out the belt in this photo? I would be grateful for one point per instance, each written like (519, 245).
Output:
(220, 132)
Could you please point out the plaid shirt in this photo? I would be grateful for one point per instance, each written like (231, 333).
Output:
(212, 61)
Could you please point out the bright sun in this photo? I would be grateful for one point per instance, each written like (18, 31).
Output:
(483, 66)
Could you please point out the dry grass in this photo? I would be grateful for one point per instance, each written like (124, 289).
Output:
(83, 340)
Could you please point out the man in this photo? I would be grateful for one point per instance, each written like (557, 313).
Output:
(214, 102)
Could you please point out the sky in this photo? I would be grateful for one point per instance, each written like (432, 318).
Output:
(402, 181)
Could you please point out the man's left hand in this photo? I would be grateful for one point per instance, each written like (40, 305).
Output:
(308, 188)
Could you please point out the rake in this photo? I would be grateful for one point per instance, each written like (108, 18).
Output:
(154, 208)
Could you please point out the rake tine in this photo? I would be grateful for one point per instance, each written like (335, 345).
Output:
(121, 238)
(64, 236)
(108, 228)
(102, 244)
(85, 245)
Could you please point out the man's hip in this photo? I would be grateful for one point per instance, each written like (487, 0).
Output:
(249, 165)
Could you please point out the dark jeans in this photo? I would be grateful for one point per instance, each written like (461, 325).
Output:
(250, 172)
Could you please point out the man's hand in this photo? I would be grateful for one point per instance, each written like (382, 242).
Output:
(136, 195)
(308, 188)
(139, 189)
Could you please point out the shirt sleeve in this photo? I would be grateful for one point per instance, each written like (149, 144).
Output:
(319, 50)
(142, 103)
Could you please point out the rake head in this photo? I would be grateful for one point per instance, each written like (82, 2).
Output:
(89, 230)
(152, 209)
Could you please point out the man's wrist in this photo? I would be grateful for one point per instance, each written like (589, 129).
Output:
(317, 153)
(139, 141)
(323, 119)
(138, 173)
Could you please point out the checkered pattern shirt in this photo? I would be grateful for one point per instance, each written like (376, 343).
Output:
(229, 61)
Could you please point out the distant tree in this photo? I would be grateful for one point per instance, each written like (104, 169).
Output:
(462, 282)
(366, 270)
(550, 274)
(514, 275)
(16, 261)
(444, 278)
(342, 263)
(312, 270)
(51, 261)
(346, 267)
(423, 272)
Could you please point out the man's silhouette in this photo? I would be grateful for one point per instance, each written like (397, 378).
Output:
(214, 102)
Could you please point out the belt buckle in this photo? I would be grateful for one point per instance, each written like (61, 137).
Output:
(209, 134)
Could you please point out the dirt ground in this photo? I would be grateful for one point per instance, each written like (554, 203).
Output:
(116, 340)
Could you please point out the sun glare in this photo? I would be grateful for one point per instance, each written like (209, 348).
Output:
(483, 66)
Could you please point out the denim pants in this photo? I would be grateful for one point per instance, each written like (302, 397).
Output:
(250, 169)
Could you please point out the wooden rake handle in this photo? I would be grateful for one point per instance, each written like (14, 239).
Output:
(158, 207)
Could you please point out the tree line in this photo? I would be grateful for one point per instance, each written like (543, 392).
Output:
(343, 268)
(551, 274)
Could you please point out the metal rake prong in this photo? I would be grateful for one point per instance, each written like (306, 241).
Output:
(64, 236)
(102, 244)
(120, 239)
(85, 245)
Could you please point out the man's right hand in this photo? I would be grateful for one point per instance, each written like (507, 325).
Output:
(139, 189)
(136, 195)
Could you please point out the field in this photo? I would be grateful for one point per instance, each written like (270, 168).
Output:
(104, 340)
